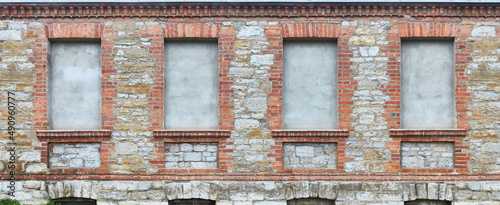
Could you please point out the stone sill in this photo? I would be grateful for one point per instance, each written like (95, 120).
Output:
(310, 133)
(192, 133)
(72, 133)
(427, 132)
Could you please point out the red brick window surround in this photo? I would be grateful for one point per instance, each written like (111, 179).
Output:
(455, 135)
(161, 135)
(70, 31)
(193, 31)
(65, 31)
(275, 35)
(311, 31)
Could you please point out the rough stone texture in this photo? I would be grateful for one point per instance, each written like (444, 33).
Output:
(310, 155)
(251, 137)
(484, 74)
(191, 155)
(16, 75)
(75, 85)
(309, 87)
(427, 84)
(427, 155)
(135, 66)
(369, 66)
(75, 155)
(191, 85)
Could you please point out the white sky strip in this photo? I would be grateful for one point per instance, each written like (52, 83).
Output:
(259, 1)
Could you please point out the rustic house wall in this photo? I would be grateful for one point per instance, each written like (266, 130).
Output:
(135, 159)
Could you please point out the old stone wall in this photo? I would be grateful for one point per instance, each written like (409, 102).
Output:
(246, 154)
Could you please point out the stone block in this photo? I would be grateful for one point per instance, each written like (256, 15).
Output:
(133, 88)
(10, 35)
(126, 148)
(483, 31)
(258, 60)
(250, 31)
(196, 156)
(36, 168)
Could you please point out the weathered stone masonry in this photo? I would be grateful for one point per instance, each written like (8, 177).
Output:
(250, 158)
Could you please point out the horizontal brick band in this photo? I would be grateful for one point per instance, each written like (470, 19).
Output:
(192, 133)
(72, 133)
(75, 10)
(310, 133)
(427, 133)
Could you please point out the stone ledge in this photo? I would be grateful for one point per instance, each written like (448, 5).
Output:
(427, 133)
(72, 133)
(192, 133)
(310, 133)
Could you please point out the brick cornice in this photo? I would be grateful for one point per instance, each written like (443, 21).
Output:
(77, 10)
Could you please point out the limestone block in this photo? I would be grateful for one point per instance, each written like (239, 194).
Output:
(10, 35)
(258, 60)
(250, 31)
(36, 168)
(484, 31)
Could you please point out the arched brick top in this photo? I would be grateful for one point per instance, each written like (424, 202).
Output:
(301, 30)
(427, 29)
(191, 30)
(77, 189)
(74, 30)
(306, 189)
(429, 191)
(192, 190)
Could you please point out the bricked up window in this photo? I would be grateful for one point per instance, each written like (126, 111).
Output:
(427, 84)
(310, 84)
(74, 85)
(191, 77)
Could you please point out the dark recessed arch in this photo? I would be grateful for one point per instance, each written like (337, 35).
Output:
(427, 202)
(75, 201)
(310, 201)
(191, 202)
